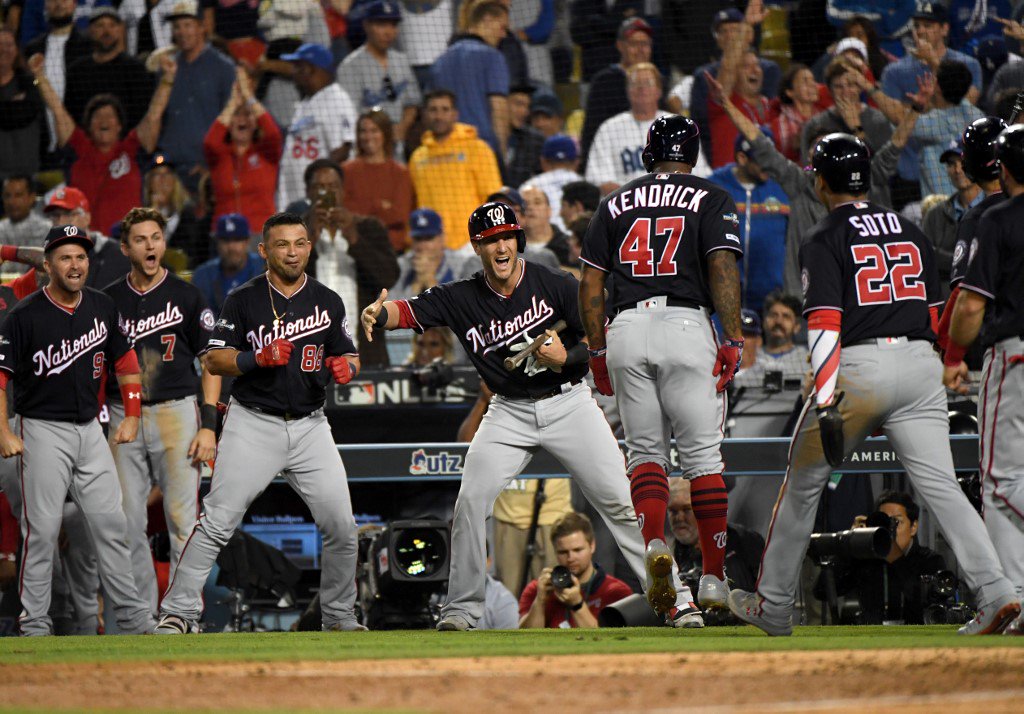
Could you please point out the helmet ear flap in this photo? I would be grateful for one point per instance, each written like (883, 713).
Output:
(648, 159)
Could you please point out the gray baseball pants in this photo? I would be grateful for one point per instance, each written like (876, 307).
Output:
(894, 384)
(254, 447)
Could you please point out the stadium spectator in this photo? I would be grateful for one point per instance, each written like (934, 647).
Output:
(890, 589)
(857, 50)
(763, 217)
(477, 73)
(377, 185)
(578, 198)
(299, 20)
(971, 21)
(453, 171)
(608, 94)
(729, 25)
(107, 169)
(69, 206)
(427, 26)
(522, 160)
(799, 99)
(940, 223)
(351, 254)
(848, 114)
(434, 344)
(577, 230)
(531, 24)
(429, 262)
(235, 263)
(238, 24)
(783, 349)
(579, 605)
(536, 222)
(22, 116)
(615, 155)
(559, 160)
(204, 83)
(146, 25)
(900, 79)
(743, 547)
(378, 75)
(322, 124)
(594, 25)
(547, 115)
(950, 113)
(20, 224)
(243, 151)
(185, 231)
(108, 70)
(890, 18)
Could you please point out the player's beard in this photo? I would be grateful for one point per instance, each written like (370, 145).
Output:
(287, 273)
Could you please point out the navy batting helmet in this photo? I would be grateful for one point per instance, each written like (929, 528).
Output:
(493, 218)
(979, 140)
(1010, 151)
(844, 162)
(671, 138)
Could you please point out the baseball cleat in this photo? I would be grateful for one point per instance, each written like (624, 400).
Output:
(688, 617)
(351, 626)
(747, 607)
(993, 618)
(175, 625)
(661, 593)
(454, 623)
(1016, 627)
(713, 593)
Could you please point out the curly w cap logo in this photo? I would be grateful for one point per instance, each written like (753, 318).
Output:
(70, 231)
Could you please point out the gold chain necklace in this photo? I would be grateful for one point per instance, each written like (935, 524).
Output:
(270, 294)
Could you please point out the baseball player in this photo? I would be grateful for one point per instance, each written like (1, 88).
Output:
(544, 403)
(275, 422)
(168, 323)
(871, 294)
(993, 292)
(668, 240)
(55, 346)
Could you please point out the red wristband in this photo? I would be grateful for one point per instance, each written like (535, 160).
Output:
(954, 354)
(131, 396)
(8, 252)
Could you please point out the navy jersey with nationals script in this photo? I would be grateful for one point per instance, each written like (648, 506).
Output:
(312, 319)
(997, 270)
(967, 235)
(57, 357)
(488, 324)
(168, 325)
(875, 267)
(653, 236)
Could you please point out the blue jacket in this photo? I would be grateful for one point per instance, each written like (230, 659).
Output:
(214, 286)
(763, 217)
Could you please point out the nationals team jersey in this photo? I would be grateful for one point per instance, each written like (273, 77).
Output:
(57, 356)
(654, 234)
(997, 270)
(967, 233)
(168, 325)
(312, 319)
(489, 324)
(875, 267)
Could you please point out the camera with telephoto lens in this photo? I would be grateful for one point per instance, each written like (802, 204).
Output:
(773, 380)
(434, 376)
(939, 605)
(561, 577)
(869, 543)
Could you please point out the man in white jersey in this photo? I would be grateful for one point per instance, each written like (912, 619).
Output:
(322, 126)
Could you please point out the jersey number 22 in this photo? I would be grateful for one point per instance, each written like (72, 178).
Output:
(635, 248)
(880, 282)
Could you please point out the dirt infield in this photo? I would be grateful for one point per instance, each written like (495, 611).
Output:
(989, 680)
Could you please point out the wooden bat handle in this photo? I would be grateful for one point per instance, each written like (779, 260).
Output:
(512, 363)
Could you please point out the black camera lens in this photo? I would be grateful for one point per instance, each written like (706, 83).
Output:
(419, 552)
(561, 578)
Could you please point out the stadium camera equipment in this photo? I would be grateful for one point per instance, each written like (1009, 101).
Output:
(869, 543)
(939, 602)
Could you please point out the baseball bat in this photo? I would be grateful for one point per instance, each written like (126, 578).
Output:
(512, 363)
(1018, 107)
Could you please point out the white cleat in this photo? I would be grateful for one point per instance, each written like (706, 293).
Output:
(713, 593)
(175, 625)
(747, 607)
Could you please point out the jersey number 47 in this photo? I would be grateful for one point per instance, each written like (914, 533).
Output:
(636, 250)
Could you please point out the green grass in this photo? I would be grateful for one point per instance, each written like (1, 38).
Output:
(424, 643)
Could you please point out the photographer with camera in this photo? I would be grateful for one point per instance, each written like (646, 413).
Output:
(896, 588)
(573, 593)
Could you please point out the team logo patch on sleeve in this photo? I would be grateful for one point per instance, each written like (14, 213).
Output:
(345, 328)
(224, 325)
(206, 320)
(733, 237)
(958, 252)
(731, 218)
(805, 280)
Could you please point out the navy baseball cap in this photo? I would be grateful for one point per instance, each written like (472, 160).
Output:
(546, 103)
(744, 146)
(508, 195)
(560, 148)
(730, 14)
(59, 235)
(750, 322)
(316, 55)
(955, 150)
(232, 226)
(385, 10)
(934, 11)
(425, 223)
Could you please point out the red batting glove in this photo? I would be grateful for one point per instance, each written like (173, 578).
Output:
(600, 369)
(275, 354)
(727, 361)
(341, 368)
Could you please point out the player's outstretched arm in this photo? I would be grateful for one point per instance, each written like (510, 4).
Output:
(381, 313)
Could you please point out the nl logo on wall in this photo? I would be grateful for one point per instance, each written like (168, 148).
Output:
(441, 463)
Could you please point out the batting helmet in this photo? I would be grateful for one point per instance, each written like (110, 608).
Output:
(671, 138)
(844, 162)
(1010, 151)
(493, 218)
(979, 139)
